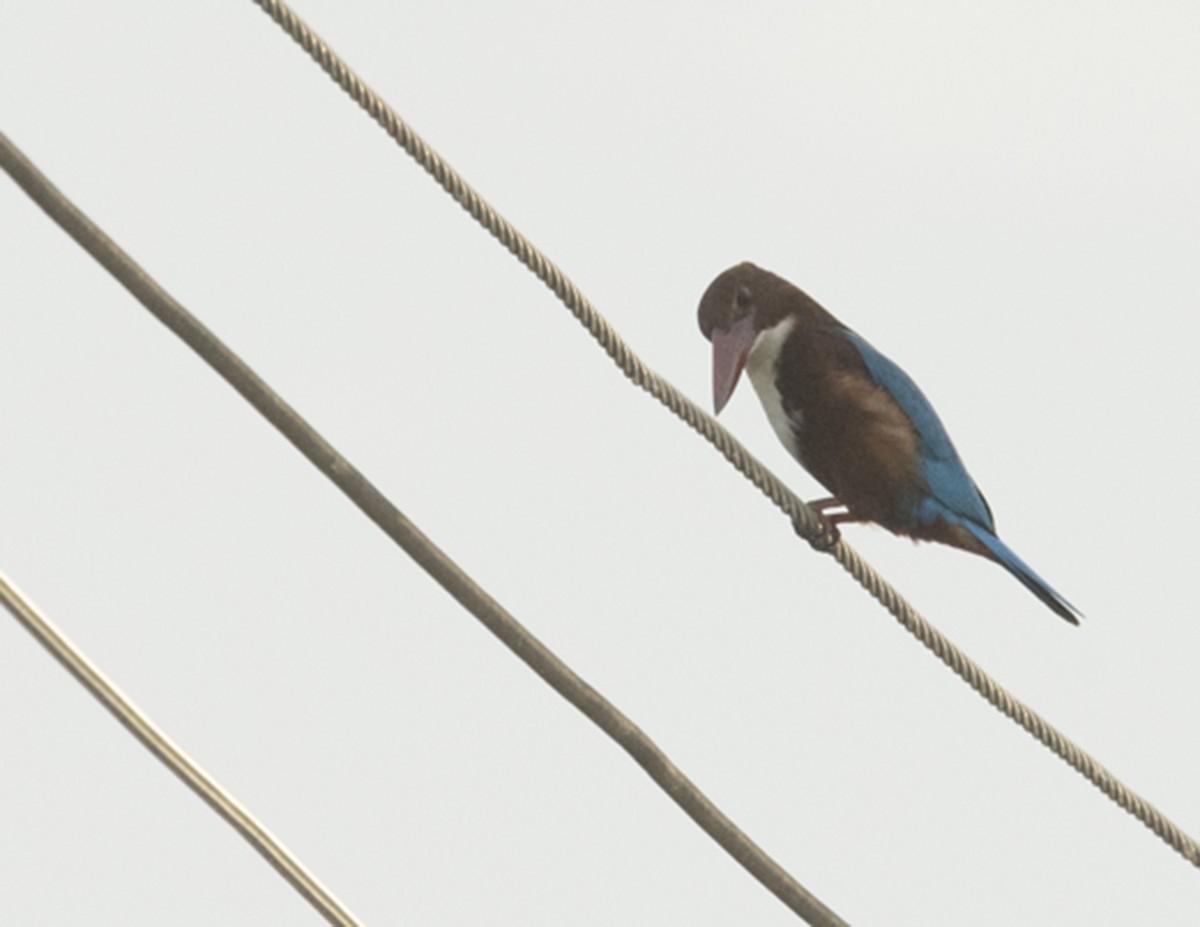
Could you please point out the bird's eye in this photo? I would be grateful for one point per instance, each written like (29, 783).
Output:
(742, 297)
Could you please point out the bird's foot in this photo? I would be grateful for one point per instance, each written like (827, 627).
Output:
(828, 534)
(827, 537)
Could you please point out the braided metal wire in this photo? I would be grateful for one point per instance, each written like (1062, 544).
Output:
(803, 518)
(999, 697)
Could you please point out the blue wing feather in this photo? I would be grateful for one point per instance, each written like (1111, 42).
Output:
(949, 483)
(953, 495)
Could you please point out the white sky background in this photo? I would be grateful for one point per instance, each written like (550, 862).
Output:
(1006, 201)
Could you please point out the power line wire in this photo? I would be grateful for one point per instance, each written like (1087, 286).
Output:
(433, 560)
(803, 518)
(183, 766)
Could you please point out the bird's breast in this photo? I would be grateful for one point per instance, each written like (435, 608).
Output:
(842, 427)
(762, 366)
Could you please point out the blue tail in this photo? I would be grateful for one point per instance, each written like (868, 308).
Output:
(1018, 568)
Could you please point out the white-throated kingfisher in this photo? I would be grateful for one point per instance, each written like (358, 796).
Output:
(852, 418)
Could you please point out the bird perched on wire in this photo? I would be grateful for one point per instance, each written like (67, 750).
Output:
(852, 418)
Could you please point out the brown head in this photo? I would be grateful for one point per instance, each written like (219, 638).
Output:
(739, 305)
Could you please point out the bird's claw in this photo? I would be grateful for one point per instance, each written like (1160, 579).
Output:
(826, 537)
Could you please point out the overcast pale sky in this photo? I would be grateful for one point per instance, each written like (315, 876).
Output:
(1005, 200)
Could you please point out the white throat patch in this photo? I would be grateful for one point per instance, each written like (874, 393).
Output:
(760, 367)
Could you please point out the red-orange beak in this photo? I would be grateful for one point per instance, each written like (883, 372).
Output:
(730, 349)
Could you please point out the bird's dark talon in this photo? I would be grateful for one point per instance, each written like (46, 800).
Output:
(829, 537)
(825, 539)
